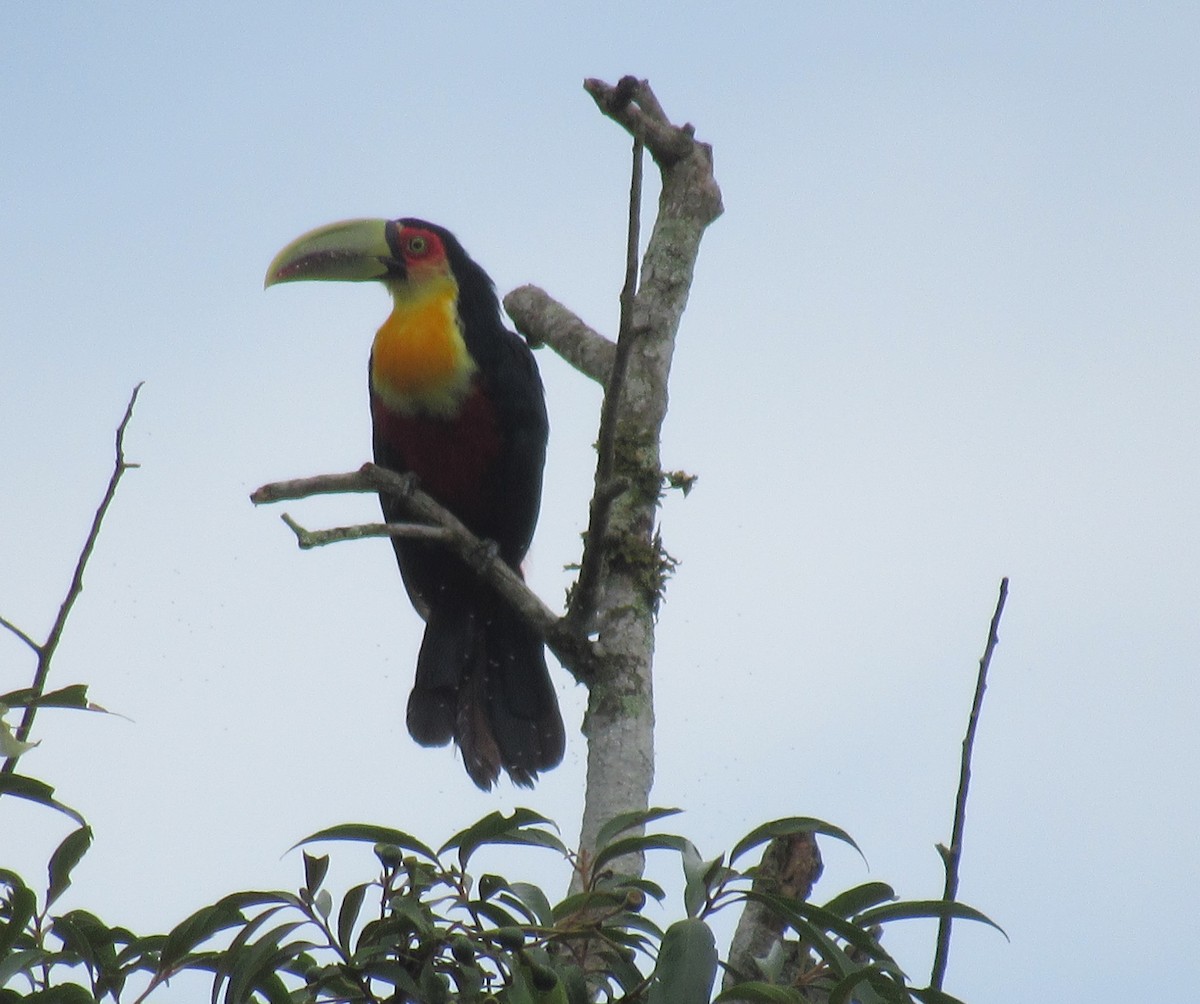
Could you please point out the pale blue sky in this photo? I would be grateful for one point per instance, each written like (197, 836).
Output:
(947, 330)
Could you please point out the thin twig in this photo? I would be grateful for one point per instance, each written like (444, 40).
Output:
(46, 650)
(584, 598)
(308, 539)
(10, 626)
(952, 855)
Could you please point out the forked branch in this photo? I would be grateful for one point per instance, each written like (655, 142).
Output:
(432, 519)
(45, 650)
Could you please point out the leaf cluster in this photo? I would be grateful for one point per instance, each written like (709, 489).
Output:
(422, 929)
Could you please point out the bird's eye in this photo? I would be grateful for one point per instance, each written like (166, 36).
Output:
(417, 245)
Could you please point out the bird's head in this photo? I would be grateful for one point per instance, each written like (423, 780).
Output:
(406, 255)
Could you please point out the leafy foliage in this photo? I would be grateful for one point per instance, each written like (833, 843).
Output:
(424, 930)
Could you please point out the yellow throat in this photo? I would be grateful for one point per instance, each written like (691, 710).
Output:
(419, 361)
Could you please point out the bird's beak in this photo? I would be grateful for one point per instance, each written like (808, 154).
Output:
(350, 251)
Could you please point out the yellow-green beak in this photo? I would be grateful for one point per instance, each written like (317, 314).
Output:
(350, 251)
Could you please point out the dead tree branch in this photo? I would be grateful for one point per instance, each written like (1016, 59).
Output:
(308, 539)
(608, 487)
(45, 651)
(952, 855)
(545, 321)
(576, 654)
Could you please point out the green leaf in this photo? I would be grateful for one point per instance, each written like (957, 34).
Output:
(518, 991)
(771, 965)
(274, 989)
(618, 934)
(65, 857)
(22, 904)
(62, 993)
(914, 909)
(392, 973)
(535, 902)
(629, 883)
(638, 845)
(852, 901)
(582, 902)
(541, 978)
(74, 696)
(490, 884)
(231, 960)
(575, 983)
(494, 915)
(86, 936)
(687, 965)
(758, 992)
(789, 827)
(198, 928)
(617, 967)
(254, 965)
(435, 987)
(495, 828)
(36, 791)
(868, 985)
(314, 872)
(348, 916)
(138, 953)
(931, 996)
(636, 922)
(371, 834)
(411, 915)
(627, 821)
(699, 879)
(516, 905)
(22, 962)
(812, 924)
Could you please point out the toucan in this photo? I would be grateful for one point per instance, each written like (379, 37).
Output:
(457, 400)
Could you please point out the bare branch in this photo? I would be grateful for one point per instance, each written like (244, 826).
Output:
(308, 539)
(321, 484)
(633, 104)
(543, 320)
(47, 649)
(952, 855)
(584, 599)
(576, 654)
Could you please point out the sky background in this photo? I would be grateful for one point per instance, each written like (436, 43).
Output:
(946, 331)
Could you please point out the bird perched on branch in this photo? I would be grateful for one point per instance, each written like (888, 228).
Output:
(457, 400)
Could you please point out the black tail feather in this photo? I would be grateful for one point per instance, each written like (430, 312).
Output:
(448, 646)
(482, 681)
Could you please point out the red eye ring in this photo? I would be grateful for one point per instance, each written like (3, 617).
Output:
(416, 245)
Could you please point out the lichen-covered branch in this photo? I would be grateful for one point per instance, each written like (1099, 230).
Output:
(619, 721)
(542, 320)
